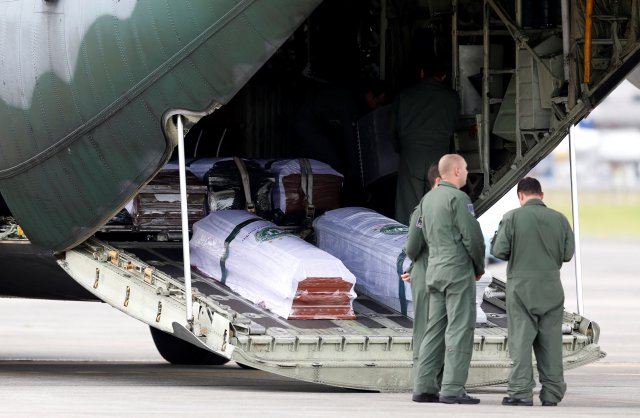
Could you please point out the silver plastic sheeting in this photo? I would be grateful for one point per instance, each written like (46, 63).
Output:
(263, 263)
(370, 245)
(481, 285)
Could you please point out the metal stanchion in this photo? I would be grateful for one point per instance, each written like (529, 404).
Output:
(575, 211)
(184, 214)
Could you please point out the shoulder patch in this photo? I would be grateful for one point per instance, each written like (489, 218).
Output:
(419, 222)
(472, 211)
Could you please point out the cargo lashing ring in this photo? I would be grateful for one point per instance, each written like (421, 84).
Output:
(126, 296)
(159, 311)
(96, 283)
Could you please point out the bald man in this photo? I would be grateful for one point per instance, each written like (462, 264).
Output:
(456, 260)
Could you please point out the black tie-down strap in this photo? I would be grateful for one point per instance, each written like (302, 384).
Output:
(227, 242)
(306, 184)
(401, 292)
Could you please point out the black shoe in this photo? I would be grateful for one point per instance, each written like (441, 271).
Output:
(517, 402)
(462, 399)
(425, 397)
(549, 403)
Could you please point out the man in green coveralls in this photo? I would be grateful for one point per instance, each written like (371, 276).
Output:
(423, 120)
(416, 250)
(536, 241)
(456, 259)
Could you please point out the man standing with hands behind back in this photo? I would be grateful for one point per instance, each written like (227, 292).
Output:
(535, 240)
(417, 251)
(456, 259)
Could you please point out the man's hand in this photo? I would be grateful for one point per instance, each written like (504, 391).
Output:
(406, 277)
(478, 277)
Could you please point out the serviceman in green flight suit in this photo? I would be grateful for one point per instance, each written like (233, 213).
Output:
(423, 119)
(416, 250)
(456, 260)
(536, 241)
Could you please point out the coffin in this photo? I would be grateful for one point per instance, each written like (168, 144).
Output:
(302, 188)
(238, 184)
(276, 270)
(157, 206)
(370, 245)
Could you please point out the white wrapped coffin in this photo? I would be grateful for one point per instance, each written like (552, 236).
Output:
(276, 270)
(370, 245)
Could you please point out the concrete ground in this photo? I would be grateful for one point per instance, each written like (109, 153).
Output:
(88, 359)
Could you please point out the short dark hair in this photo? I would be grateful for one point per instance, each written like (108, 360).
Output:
(433, 174)
(529, 186)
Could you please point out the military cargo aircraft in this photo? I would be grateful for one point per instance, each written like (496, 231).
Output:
(94, 95)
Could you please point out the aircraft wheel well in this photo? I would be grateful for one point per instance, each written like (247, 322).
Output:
(177, 351)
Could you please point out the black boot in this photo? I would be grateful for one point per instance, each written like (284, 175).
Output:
(461, 399)
(425, 397)
(517, 402)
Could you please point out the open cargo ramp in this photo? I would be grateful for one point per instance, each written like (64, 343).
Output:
(373, 352)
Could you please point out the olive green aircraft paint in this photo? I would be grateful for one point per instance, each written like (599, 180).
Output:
(81, 123)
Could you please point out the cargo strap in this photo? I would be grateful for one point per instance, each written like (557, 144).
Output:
(246, 184)
(227, 243)
(401, 292)
(306, 183)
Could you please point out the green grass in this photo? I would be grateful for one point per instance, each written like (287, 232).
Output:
(602, 214)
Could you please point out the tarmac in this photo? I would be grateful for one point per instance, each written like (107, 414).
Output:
(87, 359)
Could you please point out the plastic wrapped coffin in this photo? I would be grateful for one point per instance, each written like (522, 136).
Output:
(370, 245)
(276, 270)
(238, 184)
(303, 186)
